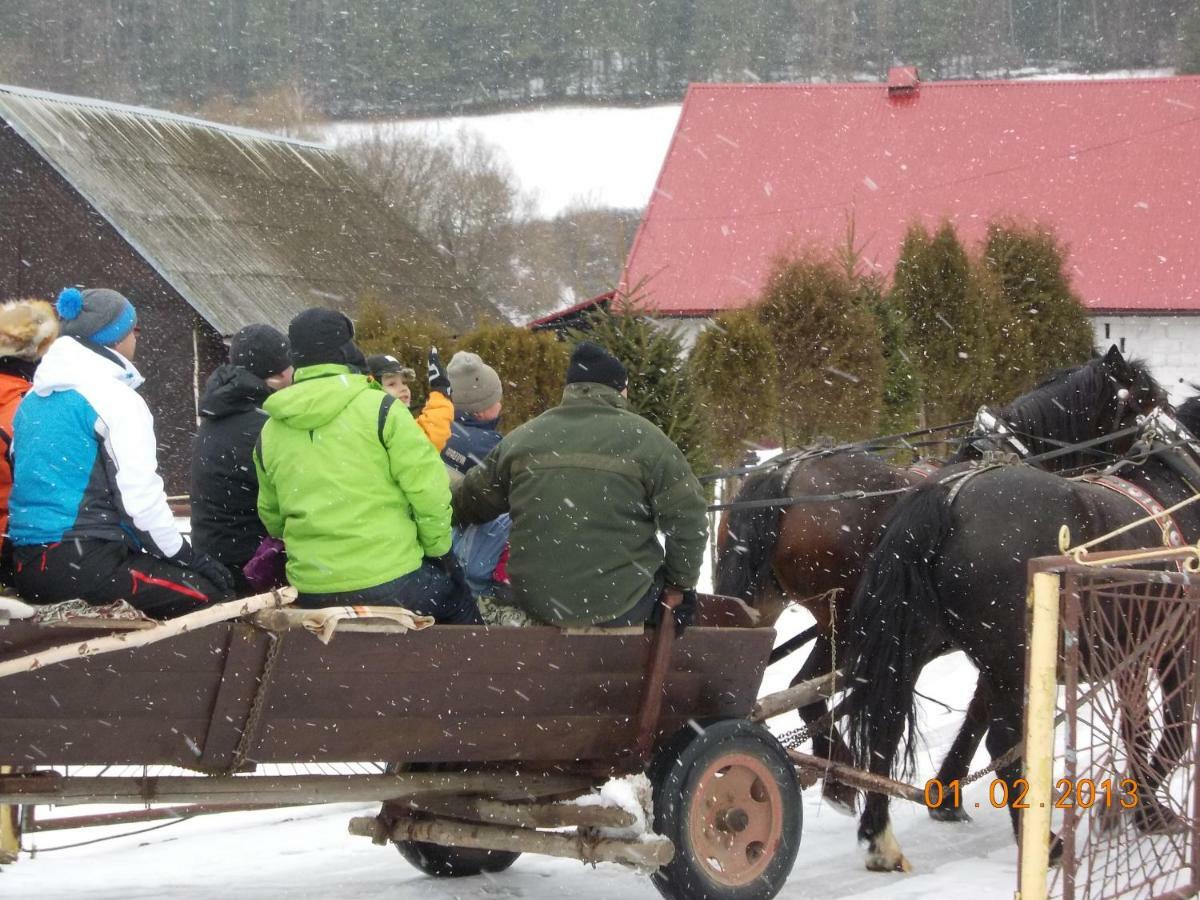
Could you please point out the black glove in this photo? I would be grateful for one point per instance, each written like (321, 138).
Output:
(206, 567)
(684, 613)
(438, 379)
(449, 564)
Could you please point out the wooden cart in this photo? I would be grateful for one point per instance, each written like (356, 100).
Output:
(488, 735)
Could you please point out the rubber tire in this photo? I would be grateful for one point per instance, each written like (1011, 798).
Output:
(454, 862)
(449, 862)
(674, 773)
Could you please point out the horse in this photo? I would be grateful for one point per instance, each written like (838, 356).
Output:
(950, 570)
(813, 554)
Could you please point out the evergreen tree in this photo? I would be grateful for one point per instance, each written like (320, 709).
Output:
(901, 398)
(1029, 268)
(660, 384)
(828, 346)
(945, 308)
(531, 365)
(734, 366)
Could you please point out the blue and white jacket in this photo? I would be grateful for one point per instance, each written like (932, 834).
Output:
(85, 462)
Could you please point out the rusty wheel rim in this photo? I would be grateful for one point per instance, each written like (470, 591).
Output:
(736, 819)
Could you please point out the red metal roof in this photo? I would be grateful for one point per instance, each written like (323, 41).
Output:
(758, 170)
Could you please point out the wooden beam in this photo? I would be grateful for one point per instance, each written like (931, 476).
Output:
(277, 790)
(648, 852)
(792, 698)
(856, 778)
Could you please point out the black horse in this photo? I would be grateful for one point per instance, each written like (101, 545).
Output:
(950, 571)
(814, 554)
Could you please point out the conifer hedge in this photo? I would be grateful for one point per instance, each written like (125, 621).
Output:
(829, 351)
(736, 372)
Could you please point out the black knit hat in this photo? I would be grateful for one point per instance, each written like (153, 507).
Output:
(261, 350)
(321, 336)
(591, 362)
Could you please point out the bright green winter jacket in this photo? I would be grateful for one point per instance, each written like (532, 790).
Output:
(355, 506)
(590, 485)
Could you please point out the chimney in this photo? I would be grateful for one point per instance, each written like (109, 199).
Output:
(902, 81)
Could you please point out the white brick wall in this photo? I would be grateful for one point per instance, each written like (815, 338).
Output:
(1170, 344)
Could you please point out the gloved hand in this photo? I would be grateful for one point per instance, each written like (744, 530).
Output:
(438, 379)
(206, 567)
(449, 564)
(684, 613)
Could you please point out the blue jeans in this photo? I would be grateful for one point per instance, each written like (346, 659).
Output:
(429, 591)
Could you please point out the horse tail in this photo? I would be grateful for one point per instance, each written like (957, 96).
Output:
(745, 561)
(892, 625)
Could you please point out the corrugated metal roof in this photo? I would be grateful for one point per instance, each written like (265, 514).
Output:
(247, 227)
(758, 170)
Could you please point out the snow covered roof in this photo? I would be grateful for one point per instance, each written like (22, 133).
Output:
(758, 170)
(246, 226)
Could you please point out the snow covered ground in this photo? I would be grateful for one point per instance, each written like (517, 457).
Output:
(305, 852)
(599, 155)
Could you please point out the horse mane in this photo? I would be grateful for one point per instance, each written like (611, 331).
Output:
(1066, 404)
(1188, 412)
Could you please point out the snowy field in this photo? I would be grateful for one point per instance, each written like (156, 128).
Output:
(305, 852)
(566, 156)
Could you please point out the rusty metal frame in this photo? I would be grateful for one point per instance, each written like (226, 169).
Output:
(1104, 577)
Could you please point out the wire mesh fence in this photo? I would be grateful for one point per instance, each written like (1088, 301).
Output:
(1126, 797)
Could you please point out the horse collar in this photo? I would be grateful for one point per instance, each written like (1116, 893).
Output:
(1172, 535)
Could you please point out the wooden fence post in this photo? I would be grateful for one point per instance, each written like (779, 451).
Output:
(1041, 701)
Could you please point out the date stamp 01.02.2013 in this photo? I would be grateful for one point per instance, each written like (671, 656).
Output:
(1083, 793)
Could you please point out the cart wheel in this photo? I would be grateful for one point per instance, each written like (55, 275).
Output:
(454, 862)
(448, 862)
(729, 802)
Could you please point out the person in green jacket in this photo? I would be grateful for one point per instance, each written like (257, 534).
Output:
(590, 485)
(353, 487)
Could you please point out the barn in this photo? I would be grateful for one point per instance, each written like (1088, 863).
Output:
(206, 228)
(1113, 166)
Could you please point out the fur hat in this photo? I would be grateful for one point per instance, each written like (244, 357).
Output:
(27, 329)
(475, 384)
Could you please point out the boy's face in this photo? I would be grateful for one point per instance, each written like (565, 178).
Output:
(394, 384)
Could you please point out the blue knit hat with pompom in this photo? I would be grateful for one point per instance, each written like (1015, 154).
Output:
(99, 315)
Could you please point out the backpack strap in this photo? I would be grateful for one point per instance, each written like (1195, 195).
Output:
(385, 407)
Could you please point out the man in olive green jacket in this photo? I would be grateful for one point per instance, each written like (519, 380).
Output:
(589, 485)
(353, 486)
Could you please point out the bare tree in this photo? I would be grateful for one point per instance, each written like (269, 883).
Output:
(460, 193)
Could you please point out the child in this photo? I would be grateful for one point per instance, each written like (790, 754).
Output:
(393, 376)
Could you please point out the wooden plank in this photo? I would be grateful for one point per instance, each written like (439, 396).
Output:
(273, 790)
(103, 741)
(244, 659)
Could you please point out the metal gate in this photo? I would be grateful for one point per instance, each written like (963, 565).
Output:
(1112, 683)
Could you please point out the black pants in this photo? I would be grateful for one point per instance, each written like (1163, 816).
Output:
(641, 612)
(101, 572)
(428, 591)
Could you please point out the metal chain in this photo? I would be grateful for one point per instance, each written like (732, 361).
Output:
(257, 706)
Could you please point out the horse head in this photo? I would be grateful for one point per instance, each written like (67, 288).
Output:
(1128, 393)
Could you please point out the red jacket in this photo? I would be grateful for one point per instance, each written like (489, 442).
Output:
(12, 389)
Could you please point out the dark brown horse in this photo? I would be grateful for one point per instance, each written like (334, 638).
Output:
(813, 554)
